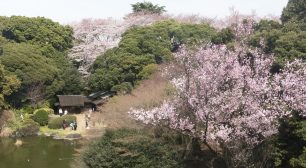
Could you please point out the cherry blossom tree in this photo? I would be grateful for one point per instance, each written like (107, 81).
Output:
(229, 97)
(94, 36)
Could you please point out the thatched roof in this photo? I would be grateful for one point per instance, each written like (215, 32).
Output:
(71, 100)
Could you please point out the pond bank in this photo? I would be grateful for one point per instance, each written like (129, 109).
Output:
(94, 130)
(37, 152)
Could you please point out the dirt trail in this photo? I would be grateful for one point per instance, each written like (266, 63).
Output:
(81, 122)
(94, 130)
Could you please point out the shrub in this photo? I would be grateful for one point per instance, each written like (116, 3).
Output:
(27, 110)
(123, 88)
(56, 123)
(28, 127)
(131, 148)
(44, 104)
(48, 110)
(147, 71)
(41, 117)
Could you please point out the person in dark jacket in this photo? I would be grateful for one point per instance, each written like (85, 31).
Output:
(64, 124)
(75, 125)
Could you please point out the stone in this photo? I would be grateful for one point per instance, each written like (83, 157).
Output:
(73, 136)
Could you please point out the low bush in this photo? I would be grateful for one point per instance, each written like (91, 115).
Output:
(147, 71)
(48, 110)
(27, 110)
(28, 127)
(132, 148)
(123, 88)
(56, 123)
(44, 104)
(41, 117)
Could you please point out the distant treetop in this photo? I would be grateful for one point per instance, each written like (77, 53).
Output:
(148, 7)
(294, 11)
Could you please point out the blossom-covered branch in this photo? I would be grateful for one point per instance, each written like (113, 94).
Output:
(228, 96)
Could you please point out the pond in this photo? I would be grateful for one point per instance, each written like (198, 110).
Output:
(37, 152)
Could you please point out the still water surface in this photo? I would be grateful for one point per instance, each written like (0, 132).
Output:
(37, 152)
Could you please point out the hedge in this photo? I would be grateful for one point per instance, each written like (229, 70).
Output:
(57, 123)
(48, 110)
(41, 117)
(28, 127)
(132, 148)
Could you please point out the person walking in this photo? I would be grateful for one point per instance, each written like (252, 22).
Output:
(60, 112)
(72, 125)
(86, 122)
(66, 112)
(64, 124)
(75, 125)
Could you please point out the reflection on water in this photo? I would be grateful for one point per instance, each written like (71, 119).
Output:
(37, 152)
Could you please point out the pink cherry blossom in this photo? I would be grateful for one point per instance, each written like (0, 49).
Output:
(229, 96)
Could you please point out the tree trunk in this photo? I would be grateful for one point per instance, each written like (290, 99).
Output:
(193, 148)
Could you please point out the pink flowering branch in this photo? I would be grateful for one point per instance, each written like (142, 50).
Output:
(230, 97)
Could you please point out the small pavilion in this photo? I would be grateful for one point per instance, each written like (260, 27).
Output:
(80, 103)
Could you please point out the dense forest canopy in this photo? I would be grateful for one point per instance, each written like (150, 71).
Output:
(39, 31)
(8, 85)
(140, 48)
(294, 12)
(35, 50)
(287, 39)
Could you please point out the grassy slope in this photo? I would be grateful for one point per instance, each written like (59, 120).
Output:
(114, 113)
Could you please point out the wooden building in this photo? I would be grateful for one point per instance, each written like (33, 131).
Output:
(79, 103)
(72, 100)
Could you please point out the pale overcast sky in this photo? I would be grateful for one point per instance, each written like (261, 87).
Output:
(66, 11)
